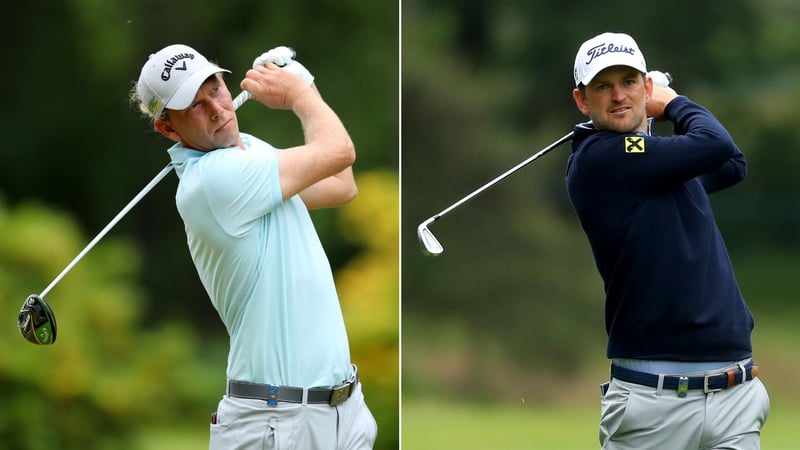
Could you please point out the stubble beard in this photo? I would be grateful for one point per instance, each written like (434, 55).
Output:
(603, 123)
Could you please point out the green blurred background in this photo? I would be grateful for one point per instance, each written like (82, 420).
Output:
(140, 358)
(503, 343)
(503, 338)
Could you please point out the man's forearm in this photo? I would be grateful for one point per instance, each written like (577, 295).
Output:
(324, 131)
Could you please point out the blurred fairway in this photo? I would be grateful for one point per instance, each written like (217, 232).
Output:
(428, 426)
(440, 426)
(570, 420)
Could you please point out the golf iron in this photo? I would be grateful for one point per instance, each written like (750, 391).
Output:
(432, 247)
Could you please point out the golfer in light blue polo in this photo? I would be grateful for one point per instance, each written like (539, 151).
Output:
(291, 384)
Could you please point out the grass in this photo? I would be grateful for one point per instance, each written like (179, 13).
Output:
(568, 419)
(192, 438)
(430, 425)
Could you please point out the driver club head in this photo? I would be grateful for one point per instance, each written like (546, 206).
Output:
(36, 321)
(430, 245)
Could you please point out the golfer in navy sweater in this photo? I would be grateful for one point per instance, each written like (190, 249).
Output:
(682, 374)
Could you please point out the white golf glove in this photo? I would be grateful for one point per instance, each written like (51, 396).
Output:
(280, 56)
(662, 79)
(283, 57)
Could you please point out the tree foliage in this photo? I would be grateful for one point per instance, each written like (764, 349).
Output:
(98, 383)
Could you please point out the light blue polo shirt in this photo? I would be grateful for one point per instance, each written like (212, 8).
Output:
(263, 266)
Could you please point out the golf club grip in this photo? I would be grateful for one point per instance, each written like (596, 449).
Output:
(240, 99)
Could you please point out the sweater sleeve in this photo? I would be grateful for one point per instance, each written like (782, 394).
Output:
(732, 170)
(701, 148)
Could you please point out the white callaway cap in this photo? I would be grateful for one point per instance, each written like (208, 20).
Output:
(606, 50)
(172, 77)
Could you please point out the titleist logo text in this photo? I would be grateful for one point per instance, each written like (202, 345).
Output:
(602, 49)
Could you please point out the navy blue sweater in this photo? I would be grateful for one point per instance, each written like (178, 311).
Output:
(671, 293)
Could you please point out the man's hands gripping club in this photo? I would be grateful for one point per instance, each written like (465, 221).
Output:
(662, 94)
(277, 89)
(283, 57)
(319, 170)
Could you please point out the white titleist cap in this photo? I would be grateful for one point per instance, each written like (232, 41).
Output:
(606, 50)
(171, 78)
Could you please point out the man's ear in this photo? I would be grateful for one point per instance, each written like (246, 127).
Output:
(165, 128)
(580, 100)
(648, 88)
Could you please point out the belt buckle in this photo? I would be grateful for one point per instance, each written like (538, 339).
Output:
(272, 395)
(341, 393)
(706, 389)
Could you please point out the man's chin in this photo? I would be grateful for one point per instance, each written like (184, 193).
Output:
(231, 140)
(625, 130)
(618, 126)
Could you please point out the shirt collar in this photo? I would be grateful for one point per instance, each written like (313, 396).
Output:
(180, 155)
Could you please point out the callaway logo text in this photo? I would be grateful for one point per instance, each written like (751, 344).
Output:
(170, 63)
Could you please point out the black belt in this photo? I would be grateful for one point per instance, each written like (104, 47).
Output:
(273, 394)
(708, 383)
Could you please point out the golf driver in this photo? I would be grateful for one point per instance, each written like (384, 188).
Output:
(432, 247)
(36, 321)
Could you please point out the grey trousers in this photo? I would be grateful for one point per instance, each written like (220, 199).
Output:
(245, 424)
(636, 417)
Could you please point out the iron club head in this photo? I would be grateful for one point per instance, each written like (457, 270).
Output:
(36, 321)
(430, 245)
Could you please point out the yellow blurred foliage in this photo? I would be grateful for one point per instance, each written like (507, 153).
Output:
(369, 288)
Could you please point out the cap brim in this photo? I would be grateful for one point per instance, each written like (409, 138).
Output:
(186, 92)
(610, 62)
